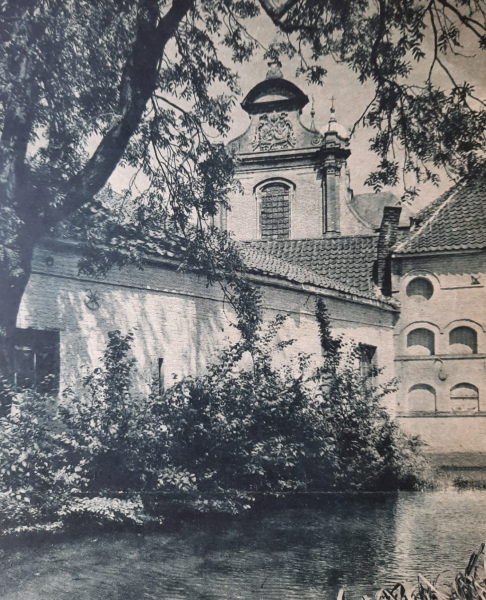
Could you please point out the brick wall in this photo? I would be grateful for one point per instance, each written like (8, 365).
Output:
(173, 316)
(305, 202)
(456, 300)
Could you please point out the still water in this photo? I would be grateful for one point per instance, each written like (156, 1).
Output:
(358, 543)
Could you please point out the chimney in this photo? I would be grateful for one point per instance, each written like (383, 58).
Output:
(387, 239)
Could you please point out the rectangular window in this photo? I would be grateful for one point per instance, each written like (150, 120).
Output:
(160, 376)
(367, 360)
(37, 360)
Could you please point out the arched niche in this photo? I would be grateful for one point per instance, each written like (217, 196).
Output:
(421, 342)
(464, 398)
(421, 398)
(463, 340)
(420, 288)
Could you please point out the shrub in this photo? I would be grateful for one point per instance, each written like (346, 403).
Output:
(236, 432)
(211, 443)
(100, 443)
(31, 489)
(110, 437)
(105, 511)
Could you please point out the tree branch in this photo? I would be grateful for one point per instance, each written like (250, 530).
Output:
(276, 13)
(467, 21)
(436, 43)
(138, 83)
(376, 44)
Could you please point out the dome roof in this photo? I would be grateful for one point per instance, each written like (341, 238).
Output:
(334, 127)
(274, 94)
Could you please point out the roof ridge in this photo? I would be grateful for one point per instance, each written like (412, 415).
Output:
(321, 239)
(449, 195)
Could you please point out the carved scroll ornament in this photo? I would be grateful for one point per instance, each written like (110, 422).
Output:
(274, 132)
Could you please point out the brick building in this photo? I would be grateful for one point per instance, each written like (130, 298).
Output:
(439, 271)
(303, 234)
(297, 206)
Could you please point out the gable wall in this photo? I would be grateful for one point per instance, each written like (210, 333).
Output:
(456, 301)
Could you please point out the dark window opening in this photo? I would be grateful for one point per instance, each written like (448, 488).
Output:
(421, 288)
(37, 360)
(367, 360)
(160, 376)
(275, 211)
(422, 341)
(466, 338)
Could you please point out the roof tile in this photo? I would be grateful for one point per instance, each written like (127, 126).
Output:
(344, 263)
(455, 221)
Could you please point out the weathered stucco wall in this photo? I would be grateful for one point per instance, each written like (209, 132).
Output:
(173, 316)
(449, 434)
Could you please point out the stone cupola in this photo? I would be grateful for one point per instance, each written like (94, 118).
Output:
(275, 105)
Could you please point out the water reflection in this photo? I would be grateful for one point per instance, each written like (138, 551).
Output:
(360, 543)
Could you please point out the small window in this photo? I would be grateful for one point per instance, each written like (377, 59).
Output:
(421, 398)
(36, 360)
(160, 376)
(420, 288)
(367, 360)
(464, 398)
(275, 211)
(421, 341)
(463, 340)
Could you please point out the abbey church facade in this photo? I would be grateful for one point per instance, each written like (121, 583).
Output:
(410, 292)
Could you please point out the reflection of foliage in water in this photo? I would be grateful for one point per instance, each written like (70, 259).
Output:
(291, 552)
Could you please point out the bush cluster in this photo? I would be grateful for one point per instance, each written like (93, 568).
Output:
(211, 443)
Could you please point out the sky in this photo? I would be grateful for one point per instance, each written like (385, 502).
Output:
(351, 99)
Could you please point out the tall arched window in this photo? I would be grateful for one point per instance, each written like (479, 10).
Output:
(275, 211)
(421, 398)
(421, 341)
(463, 340)
(464, 398)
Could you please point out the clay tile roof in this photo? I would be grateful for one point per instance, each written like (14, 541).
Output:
(455, 221)
(343, 263)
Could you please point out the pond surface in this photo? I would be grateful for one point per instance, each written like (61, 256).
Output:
(358, 543)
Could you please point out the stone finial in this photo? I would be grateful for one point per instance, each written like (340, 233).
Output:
(333, 111)
(274, 69)
(333, 127)
(313, 114)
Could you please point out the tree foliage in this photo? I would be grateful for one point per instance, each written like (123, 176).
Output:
(88, 86)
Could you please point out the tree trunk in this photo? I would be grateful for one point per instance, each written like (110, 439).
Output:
(22, 219)
(138, 83)
(18, 217)
(15, 268)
